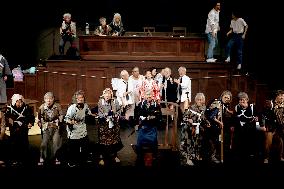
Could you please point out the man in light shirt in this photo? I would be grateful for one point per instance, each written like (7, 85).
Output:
(238, 30)
(212, 27)
(184, 89)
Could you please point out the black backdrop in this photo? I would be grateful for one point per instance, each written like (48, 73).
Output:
(21, 22)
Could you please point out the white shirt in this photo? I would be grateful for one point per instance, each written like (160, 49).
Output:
(137, 83)
(122, 89)
(185, 87)
(212, 25)
(238, 25)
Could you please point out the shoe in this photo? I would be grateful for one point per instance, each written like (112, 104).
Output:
(57, 162)
(215, 160)
(71, 164)
(239, 66)
(41, 161)
(2, 164)
(265, 161)
(228, 59)
(282, 159)
(101, 162)
(189, 162)
(211, 60)
(117, 160)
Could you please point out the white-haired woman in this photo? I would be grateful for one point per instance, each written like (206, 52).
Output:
(117, 26)
(109, 129)
(20, 118)
(50, 118)
(67, 32)
(193, 121)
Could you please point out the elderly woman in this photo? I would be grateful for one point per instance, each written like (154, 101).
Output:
(77, 129)
(117, 26)
(50, 118)
(193, 119)
(109, 129)
(245, 129)
(67, 32)
(19, 117)
(103, 29)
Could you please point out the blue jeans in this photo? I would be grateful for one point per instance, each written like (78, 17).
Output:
(212, 43)
(62, 43)
(239, 42)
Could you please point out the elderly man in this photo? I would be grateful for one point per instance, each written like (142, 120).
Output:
(67, 32)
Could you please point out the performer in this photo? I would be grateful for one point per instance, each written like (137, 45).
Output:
(19, 118)
(4, 72)
(125, 95)
(246, 128)
(109, 129)
(3, 145)
(238, 29)
(212, 27)
(67, 32)
(279, 132)
(104, 29)
(192, 124)
(117, 26)
(77, 129)
(150, 116)
(149, 85)
(184, 89)
(50, 119)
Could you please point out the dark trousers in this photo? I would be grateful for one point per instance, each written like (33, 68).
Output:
(78, 150)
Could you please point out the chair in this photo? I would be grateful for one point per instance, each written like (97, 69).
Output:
(149, 30)
(179, 31)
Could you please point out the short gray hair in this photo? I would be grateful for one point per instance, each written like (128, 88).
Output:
(242, 95)
(48, 94)
(67, 15)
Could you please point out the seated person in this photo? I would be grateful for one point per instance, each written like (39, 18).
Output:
(67, 32)
(103, 29)
(117, 26)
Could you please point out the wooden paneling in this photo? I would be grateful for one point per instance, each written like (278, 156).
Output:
(142, 48)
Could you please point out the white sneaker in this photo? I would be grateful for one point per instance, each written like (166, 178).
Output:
(265, 161)
(228, 59)
(211, 60)
(117, 160)
(189, 162)
(239, 66)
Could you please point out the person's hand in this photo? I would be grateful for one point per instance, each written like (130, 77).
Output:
(10, 120)
(243, 36)
(5, 78)
(176, 81)
(190, 120)
(39, 124)
(30, 125)
(214, 34)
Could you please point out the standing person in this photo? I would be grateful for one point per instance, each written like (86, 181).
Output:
(50, 118)
(104, 29)
(67, 32)
(109, 129)
(150, 115)
(246, 128)
(149, 85)
(3, 144)
(212, 27)
(184, 89)
(4, 72)
(238, 30)
(193, 120)
(117, 25)
(77, 129)
(20, 118)
(279, 132)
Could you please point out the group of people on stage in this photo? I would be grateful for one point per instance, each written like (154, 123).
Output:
(68, 29)
(214, 132)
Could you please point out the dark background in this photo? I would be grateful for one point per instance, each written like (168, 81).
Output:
(22, 21)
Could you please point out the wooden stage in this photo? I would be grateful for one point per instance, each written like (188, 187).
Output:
(102, 58)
